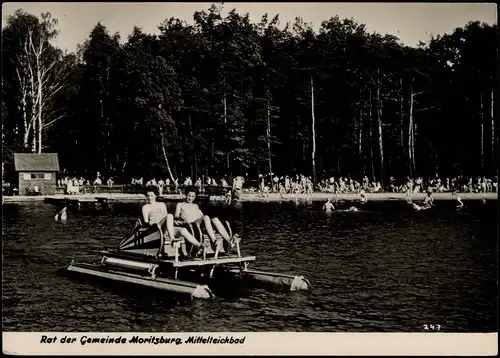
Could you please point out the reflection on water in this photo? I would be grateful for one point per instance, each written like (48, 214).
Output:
(386, 268)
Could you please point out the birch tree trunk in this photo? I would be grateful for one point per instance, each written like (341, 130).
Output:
(370, 135)
(493, 131)
(482, 133)
(212, 151)
(101, 114)
(23, 78)
(410, 135)
(224, 102)
(195, 156)
(33, 138)
(23, 105)
(40, 107)
(380, 134)
(165, 157)
(125, 157)
(25, 122)
(413, 136)
(436, 156)
(401, 114)
(360, 134)
(268, 136)
(32, 94)
(313, 133)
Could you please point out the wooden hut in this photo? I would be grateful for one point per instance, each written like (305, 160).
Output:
(36, 172)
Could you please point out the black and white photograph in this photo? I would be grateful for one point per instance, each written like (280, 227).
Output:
(249, 167)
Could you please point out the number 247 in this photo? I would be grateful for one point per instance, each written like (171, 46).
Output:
(432, 327)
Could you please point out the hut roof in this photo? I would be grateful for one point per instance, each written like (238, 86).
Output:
(43, 162)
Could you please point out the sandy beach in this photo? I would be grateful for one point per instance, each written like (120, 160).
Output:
(253, 197)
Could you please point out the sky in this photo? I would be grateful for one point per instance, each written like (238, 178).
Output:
(411, 22)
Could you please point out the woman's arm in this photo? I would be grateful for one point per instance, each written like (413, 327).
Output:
(197, 207)
(145, 215)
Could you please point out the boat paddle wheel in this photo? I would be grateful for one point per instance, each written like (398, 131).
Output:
(148, 257)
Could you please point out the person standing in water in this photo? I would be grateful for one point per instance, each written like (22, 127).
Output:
(62, 215)
(408, 192)
(429, 199)
(328, 206)
(460, 203)
(362, 197)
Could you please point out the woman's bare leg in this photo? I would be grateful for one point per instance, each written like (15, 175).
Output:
(209, 228)
(170, 227)
(221, 229)
(179, 231)
(182, 231)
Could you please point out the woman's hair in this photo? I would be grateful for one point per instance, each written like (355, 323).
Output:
(190, 189)
(151, 188)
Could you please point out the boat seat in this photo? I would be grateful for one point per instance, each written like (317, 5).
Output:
(170, 249)
(173, 248)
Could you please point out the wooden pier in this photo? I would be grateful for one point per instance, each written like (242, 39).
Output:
(69, 201)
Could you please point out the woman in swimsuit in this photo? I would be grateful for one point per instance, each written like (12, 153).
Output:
(189, 213)
(153, 212)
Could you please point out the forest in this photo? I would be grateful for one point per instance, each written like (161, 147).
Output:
(224, 96)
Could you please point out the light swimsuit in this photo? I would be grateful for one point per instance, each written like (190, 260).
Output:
(191, 214)
(155, 215)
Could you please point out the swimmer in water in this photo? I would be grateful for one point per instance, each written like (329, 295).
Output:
(362, 197)
(353, 208)
(328, 206)
(62, 215)
(460, 203)
(428, 201)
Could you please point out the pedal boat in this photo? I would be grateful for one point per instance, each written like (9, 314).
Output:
(148, 258)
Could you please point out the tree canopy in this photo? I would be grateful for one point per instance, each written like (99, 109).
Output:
(224, 96)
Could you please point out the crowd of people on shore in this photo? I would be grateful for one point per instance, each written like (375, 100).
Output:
(300, 184)
(200, 184)
(80, 185)
(289, 184)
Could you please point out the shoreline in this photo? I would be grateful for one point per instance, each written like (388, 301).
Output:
(253, 197)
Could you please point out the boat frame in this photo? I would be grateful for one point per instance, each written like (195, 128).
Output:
(147, 257)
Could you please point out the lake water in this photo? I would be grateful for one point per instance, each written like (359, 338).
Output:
(386, 268)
